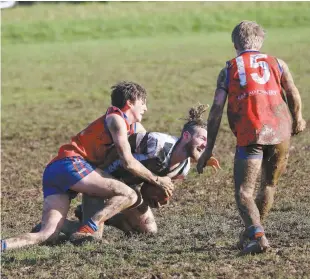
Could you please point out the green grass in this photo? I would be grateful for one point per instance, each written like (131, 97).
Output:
(55, 82)
(67, 22)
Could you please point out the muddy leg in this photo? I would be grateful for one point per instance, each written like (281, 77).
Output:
(274, 164)
(91, 205)
(55, 209)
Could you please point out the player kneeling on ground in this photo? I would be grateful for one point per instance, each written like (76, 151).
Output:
(163, 155)
(75, 170)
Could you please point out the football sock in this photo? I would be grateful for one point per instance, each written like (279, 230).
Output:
(89, 227)
(3, 245)
(255, 232)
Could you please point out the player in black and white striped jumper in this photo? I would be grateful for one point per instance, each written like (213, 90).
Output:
(164, 155)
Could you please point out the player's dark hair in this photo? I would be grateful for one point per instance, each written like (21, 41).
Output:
(194, 119)
(126, 90)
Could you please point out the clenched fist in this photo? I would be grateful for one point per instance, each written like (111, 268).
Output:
(298, 126)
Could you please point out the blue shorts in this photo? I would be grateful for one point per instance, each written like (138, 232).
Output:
(62, 174)
(274, 159)
(254, 151)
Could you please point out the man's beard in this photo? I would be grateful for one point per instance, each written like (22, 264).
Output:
(192, 151)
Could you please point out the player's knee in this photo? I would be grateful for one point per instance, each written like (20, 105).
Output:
(245, 195)
(132, 197)
(149, 229)
(152, 230)
(48, 234)
(129, 195)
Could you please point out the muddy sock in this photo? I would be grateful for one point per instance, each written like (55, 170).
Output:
(89, 227)
(255, 232)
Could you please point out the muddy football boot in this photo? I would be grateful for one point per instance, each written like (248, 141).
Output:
(243, 239)
(255, 246)
(88, 232)
(79, 238)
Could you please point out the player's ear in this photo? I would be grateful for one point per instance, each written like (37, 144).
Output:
(128, 104)
(186, 135)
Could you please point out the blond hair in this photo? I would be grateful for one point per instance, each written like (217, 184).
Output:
(248, 35)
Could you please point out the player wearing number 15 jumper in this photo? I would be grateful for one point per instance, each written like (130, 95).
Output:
(262, 117)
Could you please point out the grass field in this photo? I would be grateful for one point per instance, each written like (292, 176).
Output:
(58, 62)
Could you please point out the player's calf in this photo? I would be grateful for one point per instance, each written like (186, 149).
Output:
(28, 239)
(92, 227)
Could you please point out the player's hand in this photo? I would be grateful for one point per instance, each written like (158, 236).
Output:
(166, 184)
(155, 204)
(202, 162)
(298, 126)
(214, 163)
(152, 203)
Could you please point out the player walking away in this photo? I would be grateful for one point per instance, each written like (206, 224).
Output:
(75, 169)
(262, 117)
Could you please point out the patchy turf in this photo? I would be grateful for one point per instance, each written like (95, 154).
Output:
(52, 88)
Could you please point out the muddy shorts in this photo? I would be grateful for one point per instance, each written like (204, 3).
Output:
(274, 157)
(62, 174)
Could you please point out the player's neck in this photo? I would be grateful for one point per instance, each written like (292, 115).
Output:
(178, 155)
(128, 116)
(239, 52)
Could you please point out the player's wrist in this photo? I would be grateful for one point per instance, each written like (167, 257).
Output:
(208, 153)
(296, 120)
(156, 179)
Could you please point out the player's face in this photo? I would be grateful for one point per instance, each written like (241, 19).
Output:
(197, 144)
(138, 109)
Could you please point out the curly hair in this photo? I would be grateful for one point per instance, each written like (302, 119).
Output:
(248, 35)
(127, 90)
(194, 119)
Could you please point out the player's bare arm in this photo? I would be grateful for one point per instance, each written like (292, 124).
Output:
(293, 99)
(118, 131)
(214, 119)
(216, 112)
